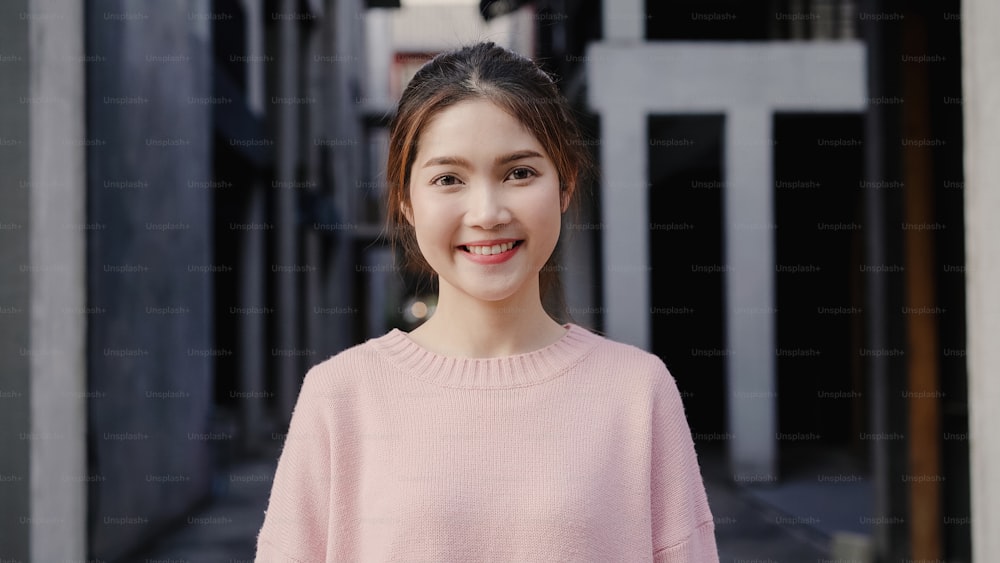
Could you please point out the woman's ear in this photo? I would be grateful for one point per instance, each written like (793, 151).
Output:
(565, 197)
(407, 212)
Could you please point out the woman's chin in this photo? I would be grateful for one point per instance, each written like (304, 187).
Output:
(491, 295)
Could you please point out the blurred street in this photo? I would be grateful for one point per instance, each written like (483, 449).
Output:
(793, 206)
(224, 529)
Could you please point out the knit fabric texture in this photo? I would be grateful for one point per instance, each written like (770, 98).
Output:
(579, 451)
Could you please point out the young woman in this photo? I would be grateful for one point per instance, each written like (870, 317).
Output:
(491, 432)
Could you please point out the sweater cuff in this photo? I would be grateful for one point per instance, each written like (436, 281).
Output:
(699, 547)
(267, 552)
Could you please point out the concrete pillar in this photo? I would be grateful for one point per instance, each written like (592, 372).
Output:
(253, 10)
(43, 469)
(378, 55)
(624, 156)
(314, 81)
(351, 179)
(624, 20)
(748, 210)
(253, 330)
(253, 295)
(286, 257)
(15, 284)
(885, 375)
(981, 90)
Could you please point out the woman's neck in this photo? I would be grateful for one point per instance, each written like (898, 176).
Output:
(464, 326)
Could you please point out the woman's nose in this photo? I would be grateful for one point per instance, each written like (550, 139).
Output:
(487, 208)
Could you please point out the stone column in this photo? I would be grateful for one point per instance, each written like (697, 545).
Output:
(624, 211)
(750, 314)
(42, 280)
(981, 90)
(286, 257)
(624, 20)
(253, 329)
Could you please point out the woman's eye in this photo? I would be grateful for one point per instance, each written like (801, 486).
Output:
(446, 180)
(521, 174)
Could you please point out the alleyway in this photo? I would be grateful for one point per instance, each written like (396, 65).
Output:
(225, 530)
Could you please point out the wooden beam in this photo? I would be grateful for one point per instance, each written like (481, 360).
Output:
(920, 308)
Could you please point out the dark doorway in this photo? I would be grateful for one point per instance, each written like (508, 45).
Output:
(685, 246)
(819, 282)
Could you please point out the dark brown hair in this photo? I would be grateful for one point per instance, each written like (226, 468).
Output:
(515, 84)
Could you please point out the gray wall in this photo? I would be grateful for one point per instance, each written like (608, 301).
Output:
(42, 319)
(150, 367)
(981, 81)
(14, 284)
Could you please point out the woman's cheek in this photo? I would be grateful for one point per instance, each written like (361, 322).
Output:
(433, 225)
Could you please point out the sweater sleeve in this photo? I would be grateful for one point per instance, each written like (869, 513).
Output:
(295, 523)
(683, 527)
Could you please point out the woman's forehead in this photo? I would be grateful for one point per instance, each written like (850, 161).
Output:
(475, 126)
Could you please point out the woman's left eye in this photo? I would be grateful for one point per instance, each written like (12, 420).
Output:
(445, 180)
(521, 174)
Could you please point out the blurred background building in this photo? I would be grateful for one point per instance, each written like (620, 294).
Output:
(793, 211)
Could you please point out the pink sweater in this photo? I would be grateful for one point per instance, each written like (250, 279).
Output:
(579, 451)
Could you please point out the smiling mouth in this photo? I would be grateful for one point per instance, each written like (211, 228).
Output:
(491, 250)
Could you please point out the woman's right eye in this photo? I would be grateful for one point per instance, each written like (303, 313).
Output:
(445, 180)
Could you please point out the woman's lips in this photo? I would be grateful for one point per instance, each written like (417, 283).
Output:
(491, 252)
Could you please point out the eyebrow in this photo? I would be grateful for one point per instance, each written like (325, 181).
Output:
(500, 160)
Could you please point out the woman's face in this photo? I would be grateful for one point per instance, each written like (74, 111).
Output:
(484, 202)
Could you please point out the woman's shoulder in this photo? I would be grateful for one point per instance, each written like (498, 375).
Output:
(633, 368)
(348, 363)
(621, 353)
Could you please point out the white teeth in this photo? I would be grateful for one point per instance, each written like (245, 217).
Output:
(490, 250)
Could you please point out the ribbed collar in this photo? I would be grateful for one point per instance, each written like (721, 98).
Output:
(519, 370)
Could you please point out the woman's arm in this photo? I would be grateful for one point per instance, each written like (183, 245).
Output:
(296, 522)
(683, 528)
